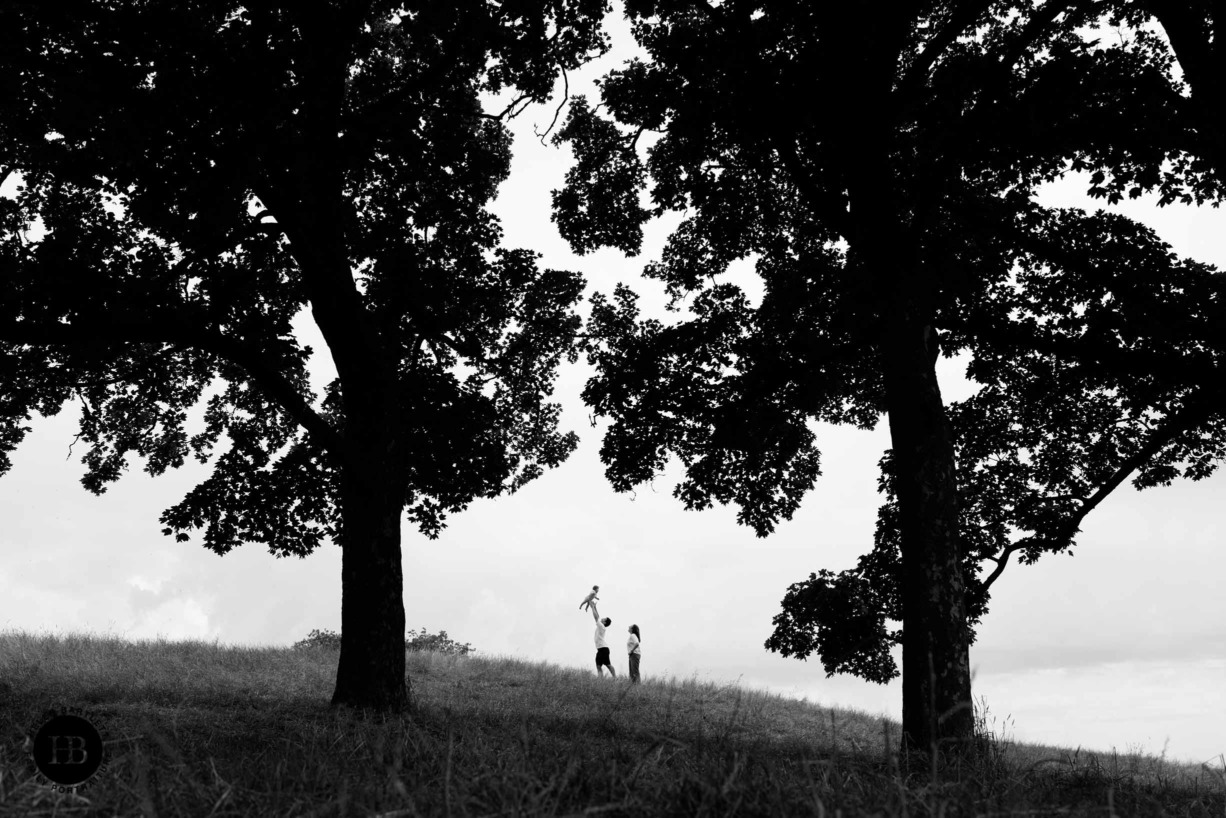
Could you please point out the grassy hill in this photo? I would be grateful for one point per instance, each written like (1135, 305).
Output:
(197, 729)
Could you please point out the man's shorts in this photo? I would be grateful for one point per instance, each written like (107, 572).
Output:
(602, 658)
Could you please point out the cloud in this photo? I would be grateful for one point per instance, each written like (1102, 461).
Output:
(173, 619)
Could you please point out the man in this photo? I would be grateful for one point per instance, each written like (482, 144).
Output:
(602, 647)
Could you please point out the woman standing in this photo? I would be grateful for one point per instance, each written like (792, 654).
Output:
(634, 648)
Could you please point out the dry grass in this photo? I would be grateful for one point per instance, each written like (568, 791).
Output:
(205, 730)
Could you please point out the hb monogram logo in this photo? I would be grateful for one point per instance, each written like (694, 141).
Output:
(67, 749)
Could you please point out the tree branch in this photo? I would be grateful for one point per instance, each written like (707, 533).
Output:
(1202, 63)
(509, 108)
(1110, 359)
(1188, 41)
(558, 112)
(1001, 562)
(1196, 409)
(964, 14)
(1040, 20)
(470, 351)
(183, 334)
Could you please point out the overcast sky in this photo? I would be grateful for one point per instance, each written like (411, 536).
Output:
(1121, 645)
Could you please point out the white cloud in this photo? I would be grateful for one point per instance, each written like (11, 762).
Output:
(173, 619)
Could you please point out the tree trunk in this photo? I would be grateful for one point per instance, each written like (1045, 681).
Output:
(371, 671)
(936, 697)
(936, 683)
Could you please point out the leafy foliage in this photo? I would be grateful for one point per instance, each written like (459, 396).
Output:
(740, 443)
(421, 640)
(437, 643)
(180, 196)
(325, 639)
(1090, 375)
(194, 175)
(1098, 351)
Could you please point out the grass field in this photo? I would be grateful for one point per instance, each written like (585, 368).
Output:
(197, 729)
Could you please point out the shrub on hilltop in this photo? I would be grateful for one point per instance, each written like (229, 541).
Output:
(416, 640)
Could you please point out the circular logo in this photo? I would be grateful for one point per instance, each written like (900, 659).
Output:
(67, 749)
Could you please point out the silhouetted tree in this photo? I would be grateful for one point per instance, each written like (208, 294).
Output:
(1095, 379)
(193, 174)
(1101, 360)
(868, 159)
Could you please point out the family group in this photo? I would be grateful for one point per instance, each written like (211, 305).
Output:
(633, 644)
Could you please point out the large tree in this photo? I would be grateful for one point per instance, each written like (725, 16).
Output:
(1100, 361)
(1104, 368)
(865, 158)
(187, 177)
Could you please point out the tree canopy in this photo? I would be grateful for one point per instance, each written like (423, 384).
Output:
(193, 175)
(1097, 362)
(1107, 372)
(878, 167)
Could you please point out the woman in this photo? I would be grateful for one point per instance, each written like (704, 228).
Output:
(634, 648)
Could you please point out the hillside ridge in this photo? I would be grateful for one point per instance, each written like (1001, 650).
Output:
(199, 728)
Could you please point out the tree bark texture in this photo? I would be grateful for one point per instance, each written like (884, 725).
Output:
(371, 671)
(936, 709)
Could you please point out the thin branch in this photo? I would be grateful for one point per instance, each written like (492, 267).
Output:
(558, 112)
(89, 415)
(508, 109)
(384, 104)
(634, 140)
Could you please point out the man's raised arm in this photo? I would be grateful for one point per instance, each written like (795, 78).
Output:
(595, 613)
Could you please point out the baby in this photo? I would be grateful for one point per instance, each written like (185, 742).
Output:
(587, 600)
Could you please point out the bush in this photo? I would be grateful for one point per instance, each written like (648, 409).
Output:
(320, 639)
(437, 642)
(417, 641)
